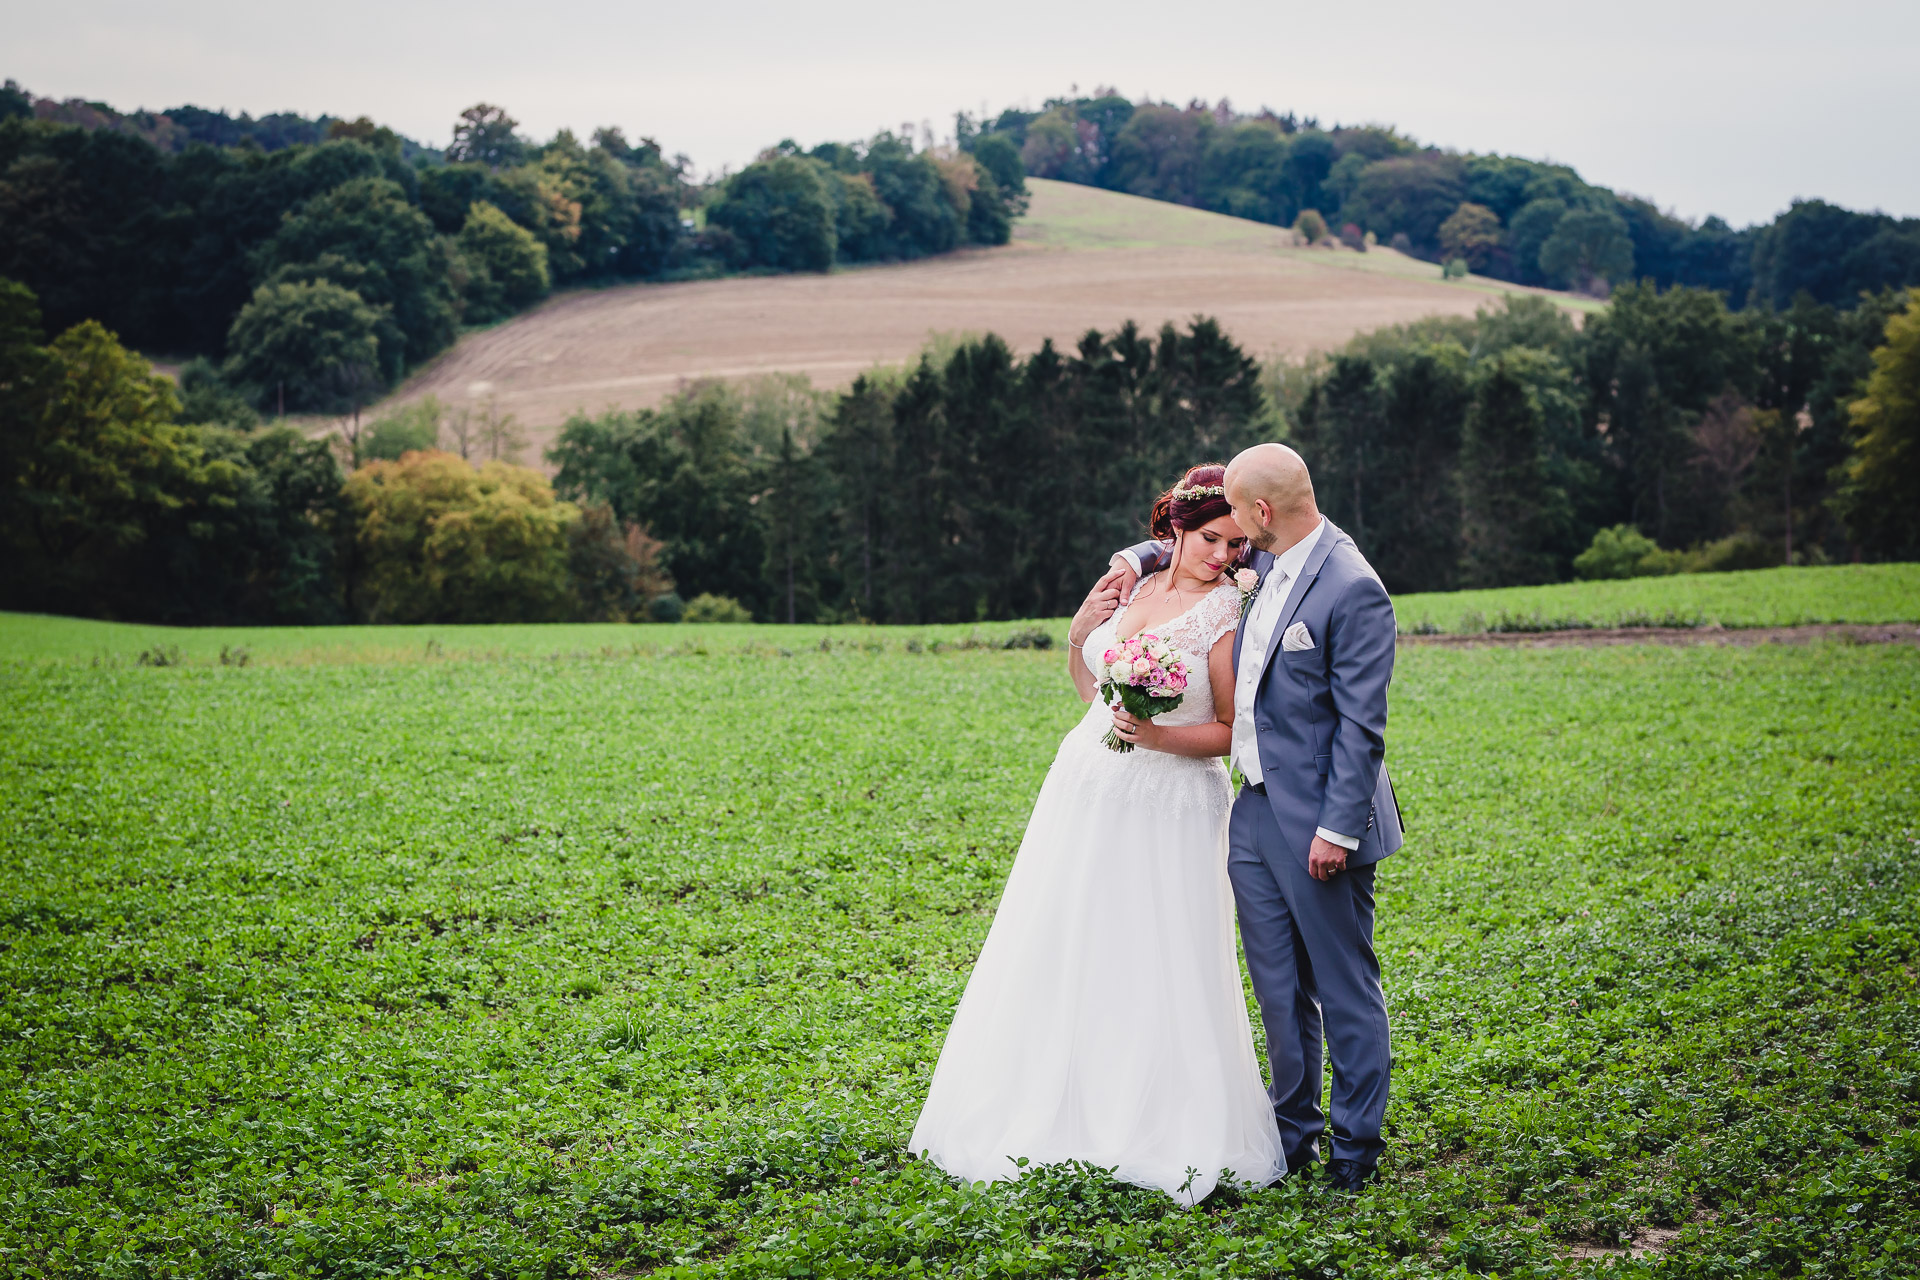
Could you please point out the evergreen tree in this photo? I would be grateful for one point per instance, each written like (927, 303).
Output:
(1508, 508)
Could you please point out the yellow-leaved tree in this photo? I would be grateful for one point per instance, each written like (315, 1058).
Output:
(1881, 500)
(440, 540)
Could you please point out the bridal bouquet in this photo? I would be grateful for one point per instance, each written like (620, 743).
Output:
(1145, 673)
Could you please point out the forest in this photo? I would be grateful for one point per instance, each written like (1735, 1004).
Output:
(1668, 434)
(1521, 220)
(317, 262)
(1745, 399)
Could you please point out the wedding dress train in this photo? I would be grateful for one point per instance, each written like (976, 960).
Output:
(1105, 1020)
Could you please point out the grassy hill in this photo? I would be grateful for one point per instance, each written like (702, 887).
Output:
(1082, 258)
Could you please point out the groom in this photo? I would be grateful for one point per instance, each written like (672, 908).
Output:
(1312, 658)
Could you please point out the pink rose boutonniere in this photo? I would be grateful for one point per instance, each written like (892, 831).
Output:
(1249, 584)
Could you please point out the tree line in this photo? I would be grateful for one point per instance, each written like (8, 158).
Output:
(311, 264)
(1520, 220)
(1670, 433)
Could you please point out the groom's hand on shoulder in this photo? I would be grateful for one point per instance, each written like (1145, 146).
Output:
(1095, 609)
(1123, 573)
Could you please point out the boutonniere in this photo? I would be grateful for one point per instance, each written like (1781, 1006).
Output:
(1249, 584)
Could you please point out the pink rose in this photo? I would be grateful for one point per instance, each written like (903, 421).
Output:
(1245, 579)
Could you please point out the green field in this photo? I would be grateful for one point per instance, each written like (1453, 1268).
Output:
(577, 959)
(1864, 593)
(1760, 598)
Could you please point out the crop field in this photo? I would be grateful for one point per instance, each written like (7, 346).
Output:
(1759, 598)
(1754, 598)
(1081, 258)
(572, 958)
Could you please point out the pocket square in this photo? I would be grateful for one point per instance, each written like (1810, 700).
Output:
(1296, 638)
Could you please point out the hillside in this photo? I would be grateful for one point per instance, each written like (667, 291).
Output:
(1082, 258)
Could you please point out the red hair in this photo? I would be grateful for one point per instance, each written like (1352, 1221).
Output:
(1171, 513)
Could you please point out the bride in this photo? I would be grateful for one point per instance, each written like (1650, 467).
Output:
(1105, 1020)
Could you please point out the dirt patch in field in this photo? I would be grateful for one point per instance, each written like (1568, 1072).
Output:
(1887, 633)
(1649, 1241)
(1081, 259)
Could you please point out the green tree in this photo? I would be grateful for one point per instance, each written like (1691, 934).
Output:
(999, 156)
(95, 462)
(1407, 194)
(1508, 510)
(925, 219)
(781, 214)
(1157, 153)
(207, 397)
(860, 220)
(307, 346)
(1530, 228)
(257, 546)
(506, 264)
(1588, 250)
(1471, 233)
(485, 135)
(365, 236)
(1881, 500)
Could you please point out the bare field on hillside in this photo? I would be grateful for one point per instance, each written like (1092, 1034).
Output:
(1080, 259)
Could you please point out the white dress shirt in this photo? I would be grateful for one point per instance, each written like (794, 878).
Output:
(1259, 638)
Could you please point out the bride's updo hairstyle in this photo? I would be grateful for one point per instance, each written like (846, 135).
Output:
(1198, 499)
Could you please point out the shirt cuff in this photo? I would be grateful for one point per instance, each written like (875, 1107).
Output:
(1333, 837)
(1131, 559)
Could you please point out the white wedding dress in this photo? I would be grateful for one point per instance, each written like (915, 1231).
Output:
(1105, 1020)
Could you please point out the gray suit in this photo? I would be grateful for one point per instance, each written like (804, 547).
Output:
(1320, 717)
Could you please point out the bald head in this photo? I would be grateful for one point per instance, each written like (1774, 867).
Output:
(1272, 496)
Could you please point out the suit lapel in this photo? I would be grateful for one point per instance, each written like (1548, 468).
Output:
(1329, 534)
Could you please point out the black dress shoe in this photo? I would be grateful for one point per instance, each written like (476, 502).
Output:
(1348, 1175)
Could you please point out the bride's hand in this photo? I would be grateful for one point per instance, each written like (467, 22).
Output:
(1141, 733)
(1096, 608)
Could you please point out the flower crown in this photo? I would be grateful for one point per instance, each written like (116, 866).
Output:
(1195, 493)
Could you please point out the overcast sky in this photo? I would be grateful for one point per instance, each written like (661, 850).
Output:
(1728, 108)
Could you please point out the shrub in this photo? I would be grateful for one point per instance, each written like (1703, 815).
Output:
(1311, 225)
(1619, 552)
(1352, 237)
(1456, 269)
(1737, 551)
(1028, 638)
(409, 429)
(1624, 552)
(666, 608)
(707, 607)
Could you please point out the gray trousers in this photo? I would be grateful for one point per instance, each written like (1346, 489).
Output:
(1309, 946)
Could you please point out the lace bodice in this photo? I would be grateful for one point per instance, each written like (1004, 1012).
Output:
(1194, 633)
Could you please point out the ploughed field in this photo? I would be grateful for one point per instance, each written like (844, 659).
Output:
(1080, 259)
(555, 953)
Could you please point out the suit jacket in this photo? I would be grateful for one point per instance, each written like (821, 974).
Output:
(1320, 714)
